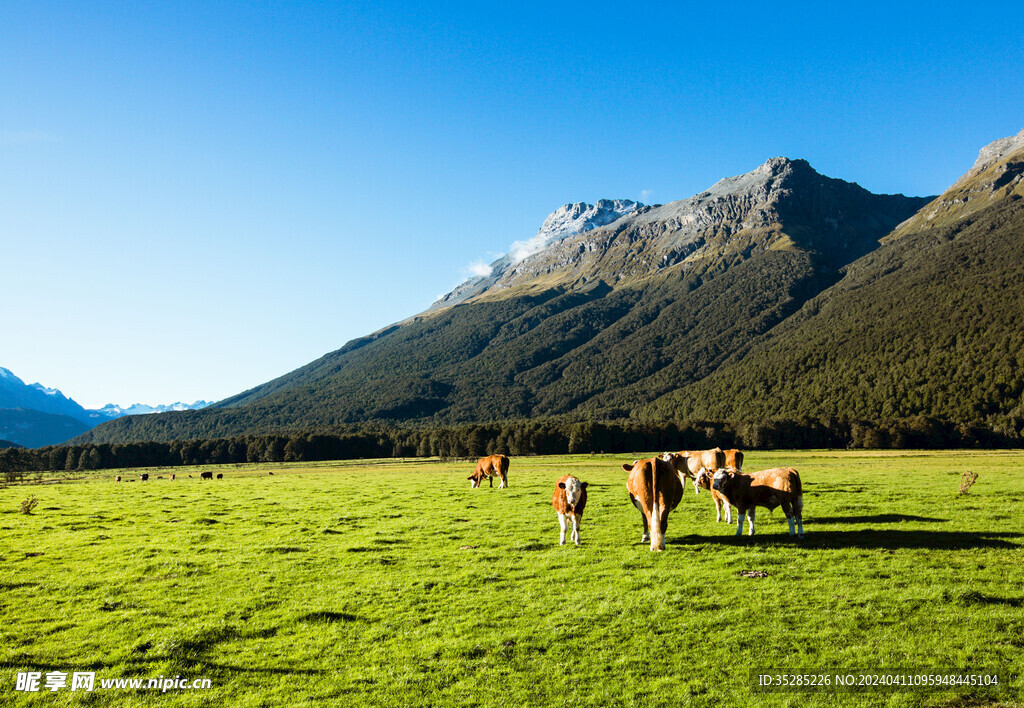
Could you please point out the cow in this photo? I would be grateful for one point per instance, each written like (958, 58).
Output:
(144, 476)
(488, 467)
(779, 486)
(655, 490)
(172, 477)
(117, 478)
(734, 459)
(687, 463)
(569, 500)
(703, 480)
(220, 475)
(206, 475)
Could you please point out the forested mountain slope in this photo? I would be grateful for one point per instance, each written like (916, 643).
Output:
(596, 324)
(928, 324)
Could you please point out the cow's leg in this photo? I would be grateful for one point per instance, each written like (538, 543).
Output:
(798, 512)
(490, 478)
(718, 510)
(561, 524)
(576, 529)
(750, 516)
(502, 484)
(728, 511)
(739, 526)
(787, 509)
(644, 538)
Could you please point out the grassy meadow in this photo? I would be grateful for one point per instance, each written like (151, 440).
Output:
(392, 583)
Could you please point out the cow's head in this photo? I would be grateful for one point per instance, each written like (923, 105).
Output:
(573, 491)
(474, 480)
(702, 480)
(722, 479)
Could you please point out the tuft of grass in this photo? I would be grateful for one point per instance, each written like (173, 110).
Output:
(967, 480)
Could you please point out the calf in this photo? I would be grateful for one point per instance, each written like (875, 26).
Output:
(144, 476)
(220, 475)
(205, 475)
(703, 480)
(117, 478)
(780, 486)
(655, 490)
(569, 500)
(488, 467)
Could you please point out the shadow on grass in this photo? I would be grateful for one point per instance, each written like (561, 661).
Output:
(890, 539)
(872, 519)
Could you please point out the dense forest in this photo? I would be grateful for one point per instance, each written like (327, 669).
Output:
(547, 437)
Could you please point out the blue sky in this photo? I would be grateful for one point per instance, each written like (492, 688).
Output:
(198, 197)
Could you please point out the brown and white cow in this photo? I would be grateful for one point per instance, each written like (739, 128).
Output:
(655, 490)
(772, 488)
(488, 467)
(569, 500)
(117, 478)
(687, 463)
(703, 480)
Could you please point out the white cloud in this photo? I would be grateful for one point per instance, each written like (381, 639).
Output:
(479, 269)
(645, 195)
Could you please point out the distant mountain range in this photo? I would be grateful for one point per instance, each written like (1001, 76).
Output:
(32, 415)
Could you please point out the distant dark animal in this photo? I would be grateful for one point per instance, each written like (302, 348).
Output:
(144, 476)
(270, 473)
(117, 478)
(655, 490)
(220, 475)
(488, 467)
(160, 477)
(780, 486)
(569, 500)
(205, 475)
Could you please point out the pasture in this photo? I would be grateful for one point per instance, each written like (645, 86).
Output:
(392, 583)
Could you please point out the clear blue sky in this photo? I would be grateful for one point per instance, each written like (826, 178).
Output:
(197, 197)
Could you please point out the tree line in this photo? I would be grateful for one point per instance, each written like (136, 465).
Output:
(538, 437)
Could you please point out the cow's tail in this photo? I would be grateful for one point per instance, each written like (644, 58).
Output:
(657, 538)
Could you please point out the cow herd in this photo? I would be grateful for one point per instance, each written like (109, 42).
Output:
(656, 485)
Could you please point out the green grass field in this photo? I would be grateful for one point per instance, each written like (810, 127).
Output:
(392, 583)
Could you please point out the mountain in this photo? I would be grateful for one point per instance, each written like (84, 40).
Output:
(926, 325)
(114, 411)
(32, 428)
(34, 415)
(15, 393)
(609, 308)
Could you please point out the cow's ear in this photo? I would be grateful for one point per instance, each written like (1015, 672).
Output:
(628, 467)
(584, 484)
(561, 485)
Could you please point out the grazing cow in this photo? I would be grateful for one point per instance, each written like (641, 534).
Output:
(220, 475)
(655, 489)
(780, 486)
(144, 476)
(488, 467)
(117, 478)
(703, 480)
(569, 500)
(206, 475)
(687, 463)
